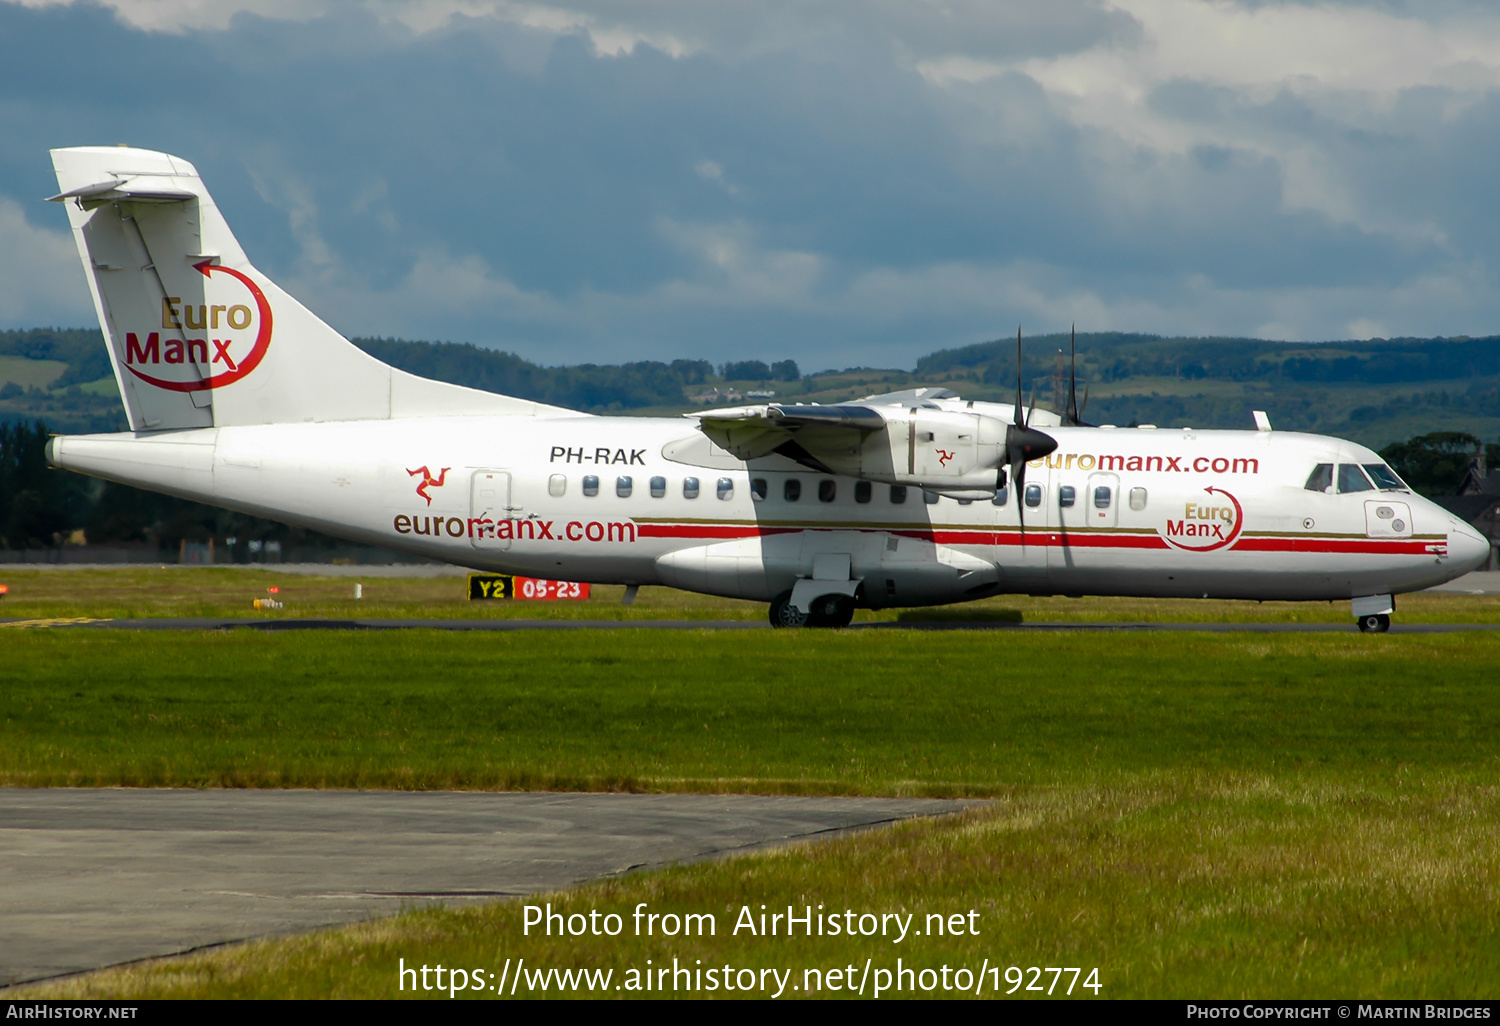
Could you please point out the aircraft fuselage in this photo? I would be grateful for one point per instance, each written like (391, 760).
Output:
(1129, 511)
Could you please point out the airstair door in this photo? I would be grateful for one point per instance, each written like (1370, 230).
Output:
(490, 512)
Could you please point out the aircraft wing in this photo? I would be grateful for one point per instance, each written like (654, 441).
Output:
(801, 433)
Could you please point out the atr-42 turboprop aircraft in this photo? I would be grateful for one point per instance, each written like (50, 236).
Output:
(239, 396)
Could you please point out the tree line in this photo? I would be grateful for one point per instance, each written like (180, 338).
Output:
(1115, 356)
(43, 508)
(596, 388)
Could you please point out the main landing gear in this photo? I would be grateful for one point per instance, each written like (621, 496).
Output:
(827, 611)
(1373, 613)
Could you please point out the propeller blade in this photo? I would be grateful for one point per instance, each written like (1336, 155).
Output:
(1018, 481)
(1016, 417)
(1071, 415)
(1022, 444)
(1085, 402)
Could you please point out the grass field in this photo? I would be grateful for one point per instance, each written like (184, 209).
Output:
(133, 592)
(893, 713)
(30, 373)
(1226, 815)
(1222, 815)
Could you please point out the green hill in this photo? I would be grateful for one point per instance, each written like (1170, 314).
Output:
(1375, 391)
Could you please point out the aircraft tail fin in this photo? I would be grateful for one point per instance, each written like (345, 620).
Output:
(197, 336)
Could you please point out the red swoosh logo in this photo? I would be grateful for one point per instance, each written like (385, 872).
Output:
(1239, 524)
(251, 360)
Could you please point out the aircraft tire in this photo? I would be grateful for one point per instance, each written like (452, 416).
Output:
(783, 615)
(831, 611)
(1375, 623)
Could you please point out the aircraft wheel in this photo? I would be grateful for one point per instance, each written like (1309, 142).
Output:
(783, 615)
(833, 611)
(1375, 623)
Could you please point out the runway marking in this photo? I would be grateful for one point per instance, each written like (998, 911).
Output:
(54, 621)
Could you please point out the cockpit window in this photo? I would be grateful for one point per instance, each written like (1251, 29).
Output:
(1352, 479)
(1321, 479)
(1385, 478)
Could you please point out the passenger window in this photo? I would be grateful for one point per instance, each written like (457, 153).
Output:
(557, 484)
(1033, 495)
(1321, 479)
(1137, 498)
(623, 486)
(827, 490)
(898, 494)
(1001, 497)
(1065, 496)
(930, 498)
(1384, 477)
(1352, 479)
(758, 489)
(725, 488)
(861, 491)
(658, 487)
(690, 488)
(590, 485)
(1102, 497)
(792, 490)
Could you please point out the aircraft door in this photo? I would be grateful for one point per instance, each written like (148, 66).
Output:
(490, 510)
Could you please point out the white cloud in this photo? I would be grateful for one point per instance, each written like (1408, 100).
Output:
(847, 180)
(177, 16)
(610, 36)
(1346, 65)
(281, 187)
(41, 277)
(713, 171)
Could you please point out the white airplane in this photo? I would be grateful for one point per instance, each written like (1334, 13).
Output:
(238, 396)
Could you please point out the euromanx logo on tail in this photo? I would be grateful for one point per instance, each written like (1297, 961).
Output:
(238, 334)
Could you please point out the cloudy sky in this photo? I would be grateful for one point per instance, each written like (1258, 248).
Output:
(840, 182)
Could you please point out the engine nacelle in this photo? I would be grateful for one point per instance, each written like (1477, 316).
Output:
(941, 450)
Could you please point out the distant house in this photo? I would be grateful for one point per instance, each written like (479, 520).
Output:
(1477, 502)
(719, 395)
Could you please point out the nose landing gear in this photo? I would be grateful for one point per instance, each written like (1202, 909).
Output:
(1375, 623)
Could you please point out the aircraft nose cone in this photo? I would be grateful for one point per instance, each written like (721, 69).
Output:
(1467, 547)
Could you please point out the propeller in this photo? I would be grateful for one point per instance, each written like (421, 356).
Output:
(1023, 442)
(1072, 415)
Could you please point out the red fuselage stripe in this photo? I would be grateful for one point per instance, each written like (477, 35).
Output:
(1057, 539)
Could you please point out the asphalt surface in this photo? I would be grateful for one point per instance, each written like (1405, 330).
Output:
(1480, 582)
(1094, 626)
(366, 570)
(90, 878)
